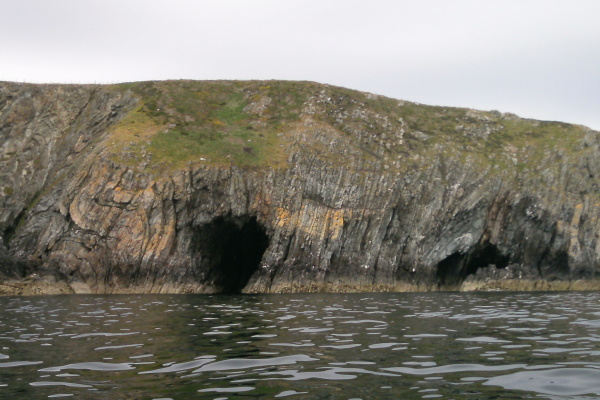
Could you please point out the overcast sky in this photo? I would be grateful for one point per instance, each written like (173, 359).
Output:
(536, 58)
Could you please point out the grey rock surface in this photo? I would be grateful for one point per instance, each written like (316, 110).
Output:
(368, 194)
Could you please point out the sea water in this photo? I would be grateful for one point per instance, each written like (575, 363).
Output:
(303, 346)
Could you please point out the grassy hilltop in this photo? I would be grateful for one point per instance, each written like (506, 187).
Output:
(254, 123)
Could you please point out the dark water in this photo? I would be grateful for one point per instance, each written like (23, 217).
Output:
(342, 346)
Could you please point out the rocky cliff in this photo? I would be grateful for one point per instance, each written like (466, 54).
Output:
(286, 186)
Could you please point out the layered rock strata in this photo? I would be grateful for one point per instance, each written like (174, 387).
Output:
(227, 187)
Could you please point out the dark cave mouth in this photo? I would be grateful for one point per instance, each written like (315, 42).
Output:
(454, 269)
(233, 248)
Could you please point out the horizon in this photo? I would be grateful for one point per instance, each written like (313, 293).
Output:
(503, 112)
(536, 59)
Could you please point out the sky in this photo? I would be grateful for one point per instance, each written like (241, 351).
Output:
(535, 58)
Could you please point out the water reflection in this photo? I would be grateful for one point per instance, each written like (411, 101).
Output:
(410, 346)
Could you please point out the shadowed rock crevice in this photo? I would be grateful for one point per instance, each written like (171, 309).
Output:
(555, 266)
(231, 249)
(454, 269)
(10, 230)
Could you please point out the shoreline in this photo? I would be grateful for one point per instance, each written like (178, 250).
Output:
(42, 287)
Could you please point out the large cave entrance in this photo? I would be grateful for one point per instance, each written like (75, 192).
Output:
(453, 270)
(231, 249)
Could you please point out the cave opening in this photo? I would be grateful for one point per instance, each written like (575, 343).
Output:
(11, 229)
(454, 269)
(555, 266)
(231, 250)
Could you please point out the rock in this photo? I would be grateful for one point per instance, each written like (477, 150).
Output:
(285, 187)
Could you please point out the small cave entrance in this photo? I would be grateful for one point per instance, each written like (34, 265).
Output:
(231, 249)
(454, 269)
(555, 266)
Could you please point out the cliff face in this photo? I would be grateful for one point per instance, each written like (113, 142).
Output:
(282, 186)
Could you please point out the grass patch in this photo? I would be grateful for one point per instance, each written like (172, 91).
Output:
(238, 147)
(232, 112)
(184, 122)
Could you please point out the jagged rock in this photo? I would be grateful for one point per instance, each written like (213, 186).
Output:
(284, 186)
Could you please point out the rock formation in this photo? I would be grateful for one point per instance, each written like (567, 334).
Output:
(204, 187)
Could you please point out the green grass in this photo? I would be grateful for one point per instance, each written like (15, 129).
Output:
(232, 111)
(254, 123)
(186, 122)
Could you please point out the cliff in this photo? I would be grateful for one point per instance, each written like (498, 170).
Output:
(204, 187)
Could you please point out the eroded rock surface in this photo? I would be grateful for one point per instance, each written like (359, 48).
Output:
(204, 187)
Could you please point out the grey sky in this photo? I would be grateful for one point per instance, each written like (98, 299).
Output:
(536, 58)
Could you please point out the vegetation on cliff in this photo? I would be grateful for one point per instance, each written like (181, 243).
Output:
(255, 123)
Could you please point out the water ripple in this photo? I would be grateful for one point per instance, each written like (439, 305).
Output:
(560, 381)
(408, 346)
(91, 366)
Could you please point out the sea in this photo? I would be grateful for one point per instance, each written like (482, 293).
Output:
(492, 345)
